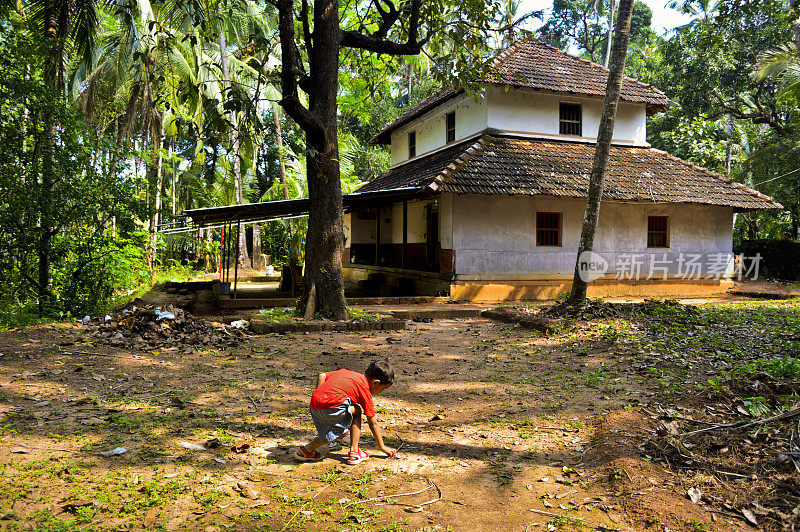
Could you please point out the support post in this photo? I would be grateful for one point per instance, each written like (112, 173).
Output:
(404, 260)
(377, 235)
(236, 263)
(221, 250)
(228, 256)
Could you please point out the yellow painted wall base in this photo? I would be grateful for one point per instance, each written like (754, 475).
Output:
(478, 291)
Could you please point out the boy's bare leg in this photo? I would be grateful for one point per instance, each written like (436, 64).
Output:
(314, 445)
(355, 428)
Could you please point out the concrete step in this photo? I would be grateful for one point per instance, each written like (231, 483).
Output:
(440, 314)
(226, 302)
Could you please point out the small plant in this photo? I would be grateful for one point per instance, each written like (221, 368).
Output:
(395, 526)
(358, 314)
(331, 476)
(756, 406)
(360, 485)
(615, 330)
(695, 525)
(279, 315)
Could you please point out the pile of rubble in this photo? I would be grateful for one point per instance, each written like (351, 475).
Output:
(154, 328)
(592, 309)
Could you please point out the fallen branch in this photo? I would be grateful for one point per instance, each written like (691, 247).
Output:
(431, 485)
(743, 425)
(255, 405)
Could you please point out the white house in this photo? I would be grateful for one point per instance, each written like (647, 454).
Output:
(485, 197)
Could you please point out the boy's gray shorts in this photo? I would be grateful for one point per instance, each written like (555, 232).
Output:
(332, 423)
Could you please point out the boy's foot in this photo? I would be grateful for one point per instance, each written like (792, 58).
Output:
(356, 457)
(334, 446)
(304, 456)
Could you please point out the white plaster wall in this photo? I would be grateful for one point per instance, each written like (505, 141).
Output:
(470, 119)
(416, 226)
(361, 231)
(387, 223)
(347, 226)
(494, 237)
(446, 202)
(526, 111)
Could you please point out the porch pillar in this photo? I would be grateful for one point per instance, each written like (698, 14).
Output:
(377, 235)
(405, 236)
(236, 265)
(228, 255)
(221, 249)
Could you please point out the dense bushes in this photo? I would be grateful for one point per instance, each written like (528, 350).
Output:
(780, 259)
(69, 241)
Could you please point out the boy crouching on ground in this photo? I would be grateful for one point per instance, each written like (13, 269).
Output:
(337, 403)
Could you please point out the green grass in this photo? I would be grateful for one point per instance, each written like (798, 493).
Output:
(359, 314)
(279, 315)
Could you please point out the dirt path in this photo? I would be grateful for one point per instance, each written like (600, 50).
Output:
(500, 420)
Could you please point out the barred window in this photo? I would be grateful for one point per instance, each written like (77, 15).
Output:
(548, 228)
(450, 126)
(569, 122)
(658, 231)
(412, 144)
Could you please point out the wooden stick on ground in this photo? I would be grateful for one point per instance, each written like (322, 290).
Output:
(739, 425)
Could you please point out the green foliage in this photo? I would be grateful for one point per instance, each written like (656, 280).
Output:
(279, 315)
(779, 368)
(63, 203)
(584, 23)
(359, 314)
(717, 68)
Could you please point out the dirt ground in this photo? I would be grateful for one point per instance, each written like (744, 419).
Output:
(498, 428)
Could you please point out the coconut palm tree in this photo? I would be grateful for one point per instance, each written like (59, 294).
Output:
(67, 28)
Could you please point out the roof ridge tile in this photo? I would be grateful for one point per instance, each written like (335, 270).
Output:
(715, 175)
(458, 163)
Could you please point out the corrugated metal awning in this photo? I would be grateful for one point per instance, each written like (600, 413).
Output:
(293, 207)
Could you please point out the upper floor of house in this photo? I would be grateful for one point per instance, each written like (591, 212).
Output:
(533, 90)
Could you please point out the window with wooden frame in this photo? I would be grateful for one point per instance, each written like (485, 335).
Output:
(548, 228)
(450, 126)
(412, 144)
(658, 231)
(569, 119)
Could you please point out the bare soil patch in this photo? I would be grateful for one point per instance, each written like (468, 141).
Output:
(498, 419)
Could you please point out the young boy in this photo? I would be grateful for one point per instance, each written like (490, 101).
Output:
(336, 406)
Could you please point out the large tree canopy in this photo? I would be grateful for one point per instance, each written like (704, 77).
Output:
(311, 39)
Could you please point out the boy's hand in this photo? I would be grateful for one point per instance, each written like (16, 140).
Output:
(389, 452)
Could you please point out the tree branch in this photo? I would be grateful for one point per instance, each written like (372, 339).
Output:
(759, 115)
(376, 41)
(290, 68)
(306, 28)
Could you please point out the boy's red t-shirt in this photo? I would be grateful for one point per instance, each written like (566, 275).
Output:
(340, 385)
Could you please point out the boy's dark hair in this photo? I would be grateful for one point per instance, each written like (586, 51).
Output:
(381, 370)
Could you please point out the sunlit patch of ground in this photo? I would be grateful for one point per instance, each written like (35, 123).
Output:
(492, 422)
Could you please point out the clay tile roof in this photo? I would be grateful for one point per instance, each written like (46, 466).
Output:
(496, 164)
(536, 65)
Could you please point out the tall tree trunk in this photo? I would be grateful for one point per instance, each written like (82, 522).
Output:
(728, 146)
(294, 267)
(244, 258)
(323, 287)
(796, 24)
(155, 219)
(48, 181)
(610, 33)
(604, 136)
(174, 180)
